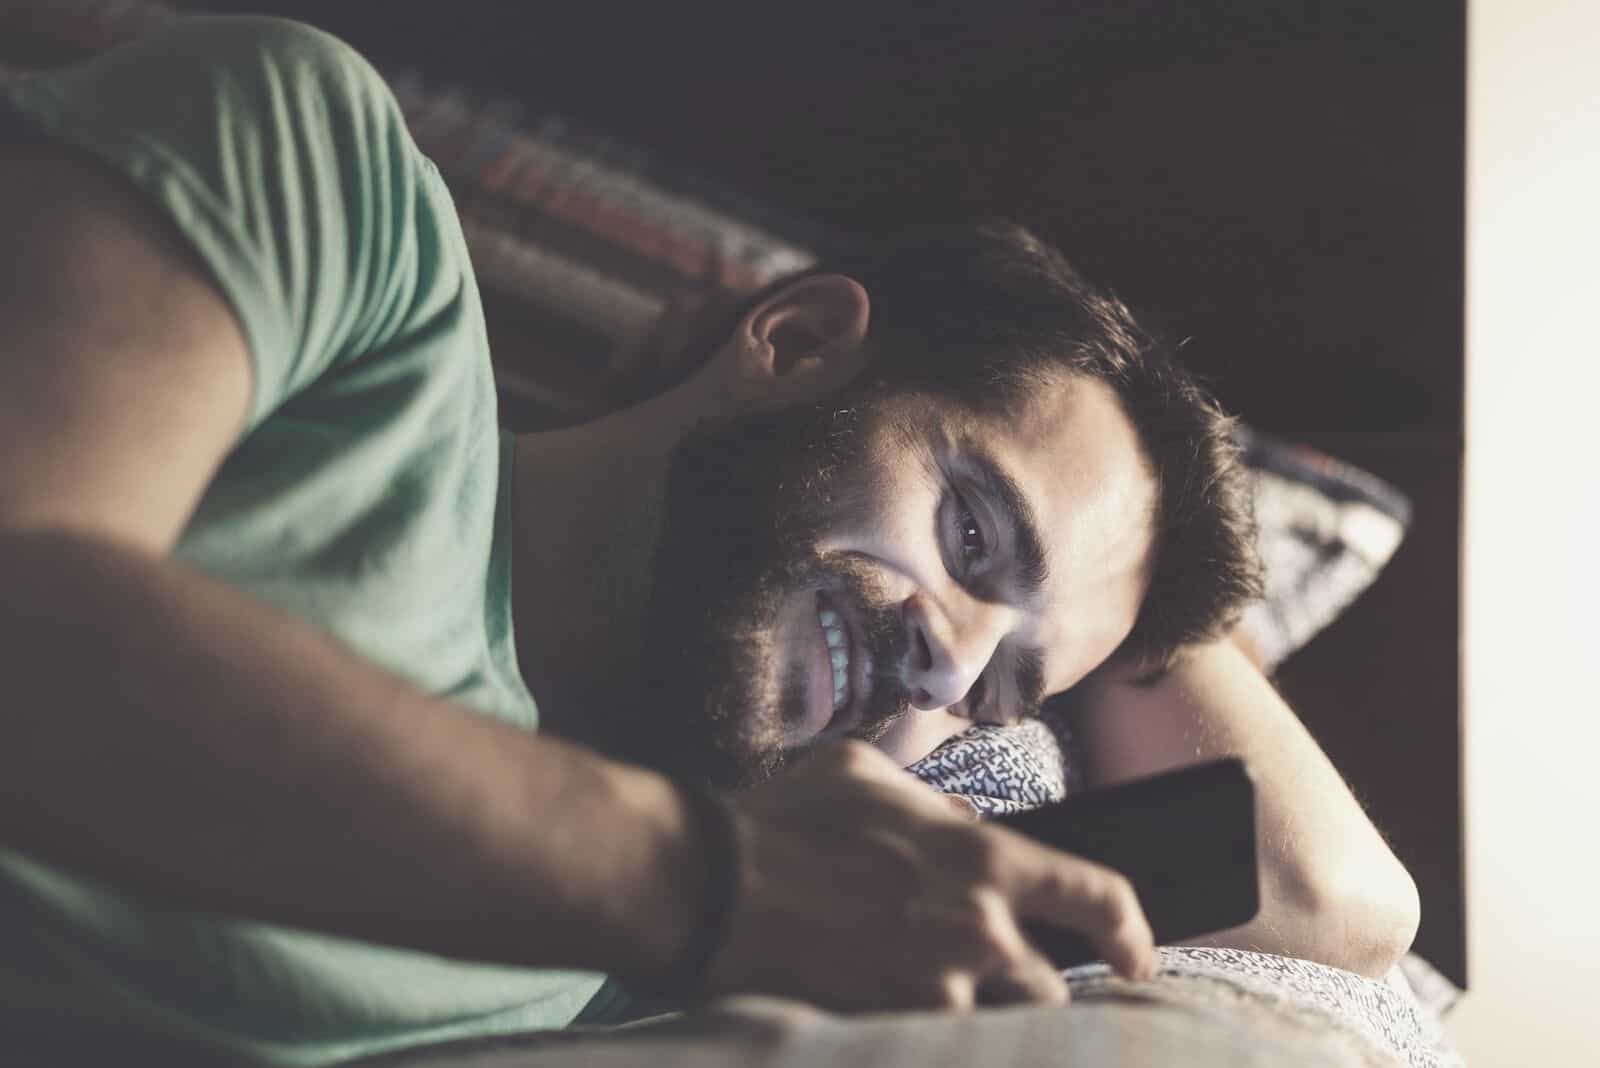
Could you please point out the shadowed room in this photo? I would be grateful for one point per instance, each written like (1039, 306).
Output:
(658, 209)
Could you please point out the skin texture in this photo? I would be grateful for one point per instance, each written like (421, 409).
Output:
(158, 332)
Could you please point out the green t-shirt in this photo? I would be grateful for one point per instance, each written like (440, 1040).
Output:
(368, 494)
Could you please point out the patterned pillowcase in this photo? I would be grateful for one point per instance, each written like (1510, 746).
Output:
(1003, 769)
(1326, 530)
(1366, 1021)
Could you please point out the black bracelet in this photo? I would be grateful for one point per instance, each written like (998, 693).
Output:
(719, 844)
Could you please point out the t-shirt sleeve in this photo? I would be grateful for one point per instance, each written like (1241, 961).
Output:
(283, 157)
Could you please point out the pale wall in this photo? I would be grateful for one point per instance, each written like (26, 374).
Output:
(1532, 598)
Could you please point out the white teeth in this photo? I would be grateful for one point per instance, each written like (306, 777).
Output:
(838, 653)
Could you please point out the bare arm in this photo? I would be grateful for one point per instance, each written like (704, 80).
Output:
(166, 732)
(1332, 891)
(169, 733)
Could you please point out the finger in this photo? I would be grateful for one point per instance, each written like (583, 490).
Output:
(1023, 973)
(957, 991)
(859, 762)
(1091, 899)
(928, 802)
(978, 934)
(963, 807)
(1035, 982)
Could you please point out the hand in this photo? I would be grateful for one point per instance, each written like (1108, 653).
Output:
(863, 889)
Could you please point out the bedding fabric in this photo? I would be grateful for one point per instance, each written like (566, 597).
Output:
(1206, 1008)
(1325, 530)
(1383, 1021)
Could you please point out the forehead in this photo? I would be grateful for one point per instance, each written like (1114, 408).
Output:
(1076, 458)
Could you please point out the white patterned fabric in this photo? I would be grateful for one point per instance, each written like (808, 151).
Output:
(1002, 769)
(1325, 530)
(1382, 1018)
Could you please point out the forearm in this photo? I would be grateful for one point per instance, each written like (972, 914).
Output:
(1332, 891)
(166, 732)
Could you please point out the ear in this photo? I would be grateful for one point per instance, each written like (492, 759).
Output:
(803, 342)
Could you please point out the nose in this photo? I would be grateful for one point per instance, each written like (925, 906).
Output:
(951, 642)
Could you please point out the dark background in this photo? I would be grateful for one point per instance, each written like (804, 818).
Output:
(1279, 182)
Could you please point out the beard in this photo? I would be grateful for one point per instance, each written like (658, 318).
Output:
(746, 505)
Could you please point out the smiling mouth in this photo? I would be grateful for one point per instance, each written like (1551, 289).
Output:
(850, 665)
(838, 654)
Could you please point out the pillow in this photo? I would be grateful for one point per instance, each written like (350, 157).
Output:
(1371, 1021)
(1325, 531)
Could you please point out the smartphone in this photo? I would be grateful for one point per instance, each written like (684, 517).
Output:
(1186, 839)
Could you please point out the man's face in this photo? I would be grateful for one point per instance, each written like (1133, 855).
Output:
(825, 569)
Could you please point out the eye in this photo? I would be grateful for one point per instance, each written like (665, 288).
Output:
(971, 544)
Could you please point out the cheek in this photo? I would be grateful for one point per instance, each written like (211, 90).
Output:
(891, 521)
(1093, 635)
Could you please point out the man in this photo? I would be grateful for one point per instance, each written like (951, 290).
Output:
(262, 548)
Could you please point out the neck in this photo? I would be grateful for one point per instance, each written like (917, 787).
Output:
(586, 507)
